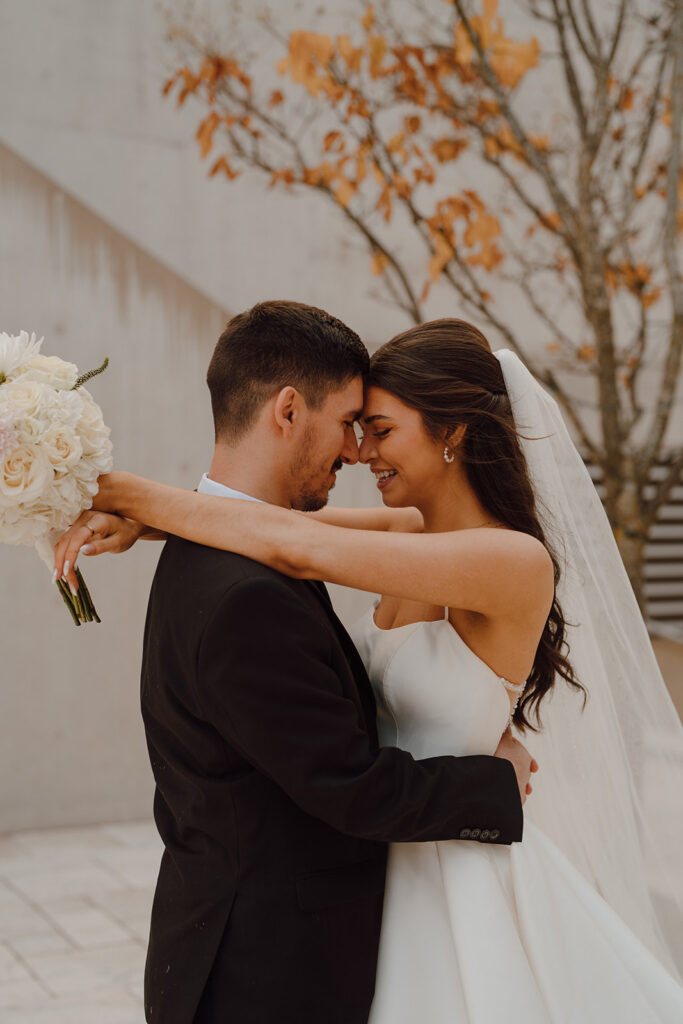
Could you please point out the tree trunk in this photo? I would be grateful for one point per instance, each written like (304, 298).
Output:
(630, 533)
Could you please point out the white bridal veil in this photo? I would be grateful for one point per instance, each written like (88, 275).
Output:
(609, 790)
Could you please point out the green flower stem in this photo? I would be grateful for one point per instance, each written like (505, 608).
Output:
(66, 597)
(86, 593)
(80, 604)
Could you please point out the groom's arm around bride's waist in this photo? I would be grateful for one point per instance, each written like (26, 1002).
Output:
(274, 682)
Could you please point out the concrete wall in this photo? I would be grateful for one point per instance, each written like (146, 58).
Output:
(113, 242)
(71, 745)
(71, 739)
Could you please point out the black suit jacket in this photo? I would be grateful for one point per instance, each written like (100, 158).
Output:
(273, 800)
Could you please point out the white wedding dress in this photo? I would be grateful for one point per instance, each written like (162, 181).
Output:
(476, 933)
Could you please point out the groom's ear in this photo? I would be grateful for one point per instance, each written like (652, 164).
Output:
(287, 408)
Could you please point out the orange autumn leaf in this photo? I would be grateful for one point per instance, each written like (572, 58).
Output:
(626, 99)
(413, 124)
(368, 19)
(553, 219)
(482, 230)
(488, 257)
(443, 254)
(395, 143)
(377, 173)
(424, 173)
(509, 59)
(309, 53)
(333, 141)
(206, 131)
(351, 55)
(554, 346)
(384, 203)
(649, 298)
(190, 84)
(276, 98)
(448, 149)
(222, 164)
(402, 186)
(379, 263)
(324, 174)
(586, 352)
(344, 192)
(377, 51)
(286, 175)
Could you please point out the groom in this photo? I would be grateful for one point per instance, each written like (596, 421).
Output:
(273, 799)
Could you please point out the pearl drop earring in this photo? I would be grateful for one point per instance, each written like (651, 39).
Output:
(448, 456)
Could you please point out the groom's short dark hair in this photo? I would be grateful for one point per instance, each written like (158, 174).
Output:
(273, 345)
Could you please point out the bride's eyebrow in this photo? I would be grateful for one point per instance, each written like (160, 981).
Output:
(371, 419)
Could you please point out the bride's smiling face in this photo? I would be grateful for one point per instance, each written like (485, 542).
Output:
(407, 461)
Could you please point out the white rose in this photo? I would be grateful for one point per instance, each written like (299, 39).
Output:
(50, 370)
(30, 399)
(62, 446)
(94, 434)
(24, 475)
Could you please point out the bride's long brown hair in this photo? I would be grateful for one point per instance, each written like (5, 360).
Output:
(446, 370)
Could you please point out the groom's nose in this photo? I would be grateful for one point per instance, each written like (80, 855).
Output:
(349, 453)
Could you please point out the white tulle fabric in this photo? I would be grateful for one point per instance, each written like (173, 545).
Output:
(475, 933)
(610, 790)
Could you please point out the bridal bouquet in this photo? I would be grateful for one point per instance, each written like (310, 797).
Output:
(53, 446)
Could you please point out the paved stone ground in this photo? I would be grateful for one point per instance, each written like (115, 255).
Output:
(74, 917)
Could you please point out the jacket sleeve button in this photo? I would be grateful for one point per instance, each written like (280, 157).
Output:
(464, 833)
(495, 833)
(475, 833)
(485, 834)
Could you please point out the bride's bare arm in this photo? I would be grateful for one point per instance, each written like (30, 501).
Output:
(485, 570)
(404, 520)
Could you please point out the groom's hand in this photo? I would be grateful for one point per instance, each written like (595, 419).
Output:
(524, 764)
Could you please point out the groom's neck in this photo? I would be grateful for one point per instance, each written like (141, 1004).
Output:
(246, 468)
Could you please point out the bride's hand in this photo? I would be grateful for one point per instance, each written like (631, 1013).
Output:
(524, 764)
(93, 533)
(112, 488)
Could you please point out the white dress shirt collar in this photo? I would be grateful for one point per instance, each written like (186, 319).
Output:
(209, 486)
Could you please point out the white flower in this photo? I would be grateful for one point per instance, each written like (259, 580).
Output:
(94, 434)
(62, 446)
(30, 399)
(49, 370)
(67, 407)
(66, 501)
(24, 475)
(15, 350)
(9, 436)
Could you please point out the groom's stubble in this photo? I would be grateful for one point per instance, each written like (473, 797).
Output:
(311, 480)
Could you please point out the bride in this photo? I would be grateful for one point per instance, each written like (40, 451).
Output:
(478, 474)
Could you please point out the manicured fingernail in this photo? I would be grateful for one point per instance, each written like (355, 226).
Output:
(72, 589)
(65, 572)
(55, 574)
(87, 549)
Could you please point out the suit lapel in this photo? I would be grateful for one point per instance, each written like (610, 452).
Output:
(354, 659)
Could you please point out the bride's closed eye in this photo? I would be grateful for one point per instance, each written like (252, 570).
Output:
(382, 433)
